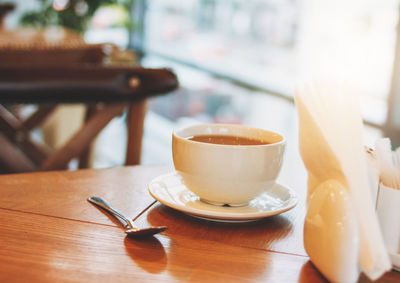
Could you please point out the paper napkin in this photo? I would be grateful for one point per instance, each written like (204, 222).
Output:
(331, 145)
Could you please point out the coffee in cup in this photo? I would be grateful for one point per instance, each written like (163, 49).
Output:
(227, 164)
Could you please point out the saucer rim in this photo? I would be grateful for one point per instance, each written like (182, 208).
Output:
(224, 216)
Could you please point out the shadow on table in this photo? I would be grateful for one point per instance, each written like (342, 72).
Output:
(147, 252)
(197, 244)
(256, 234)
(309, 273)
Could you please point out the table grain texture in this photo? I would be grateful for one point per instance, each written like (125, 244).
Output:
(50, 233)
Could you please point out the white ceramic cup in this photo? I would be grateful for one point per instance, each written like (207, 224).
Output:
(227, 174)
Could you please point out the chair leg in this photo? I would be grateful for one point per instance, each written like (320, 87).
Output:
(81, 140)
(8, 123)
(12, 160)
(136, 115)
(36, 151)
(18, 130)
(84, 158)
(37, 118)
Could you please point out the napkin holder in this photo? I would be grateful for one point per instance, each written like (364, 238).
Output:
(387, 200)
(331, 236)
(341, 230)
(388, 211)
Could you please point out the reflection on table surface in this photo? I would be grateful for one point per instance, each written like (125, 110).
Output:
(54, 232)
(191, 249)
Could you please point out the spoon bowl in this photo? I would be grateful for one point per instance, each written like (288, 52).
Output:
(130, 229)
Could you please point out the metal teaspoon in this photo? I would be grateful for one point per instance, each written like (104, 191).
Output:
(131, 230)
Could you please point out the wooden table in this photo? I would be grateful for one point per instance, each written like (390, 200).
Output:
(49, 233)
(48, 46)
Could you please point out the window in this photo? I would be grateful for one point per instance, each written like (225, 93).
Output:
(272, 45)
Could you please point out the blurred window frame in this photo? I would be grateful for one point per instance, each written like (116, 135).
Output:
(390, 128)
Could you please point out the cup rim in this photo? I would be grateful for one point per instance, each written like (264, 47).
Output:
(174, 134)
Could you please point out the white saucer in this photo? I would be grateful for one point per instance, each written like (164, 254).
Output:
(169, 190)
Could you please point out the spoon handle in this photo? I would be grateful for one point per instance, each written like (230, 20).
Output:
(118, 215)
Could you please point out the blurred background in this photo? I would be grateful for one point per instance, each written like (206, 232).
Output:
(237, 61)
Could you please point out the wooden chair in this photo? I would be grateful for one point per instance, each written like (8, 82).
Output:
(107, 91)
